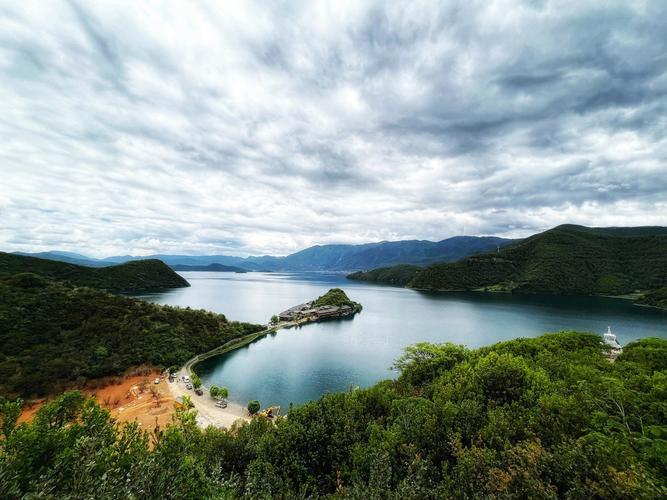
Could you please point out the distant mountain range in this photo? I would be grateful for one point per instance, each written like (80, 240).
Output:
(567, 259)
(218, 268)
(316, 258)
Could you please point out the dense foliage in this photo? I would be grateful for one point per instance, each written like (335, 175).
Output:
(395, 275)
(532, 418)
(218, 392)
(335, 297)
(655, 298)
(53, 334)
(563, 260)
(129, 277)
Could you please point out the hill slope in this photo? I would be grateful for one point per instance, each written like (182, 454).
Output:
(655, 298)
(545, 417)
(337, 298)
(128, 277)
(396, 275)
(564, 260)
(53, 334)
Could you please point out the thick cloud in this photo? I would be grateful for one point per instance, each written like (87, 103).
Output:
(228, 127)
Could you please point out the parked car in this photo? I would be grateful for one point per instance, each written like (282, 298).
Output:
(199, 391)
(186, 379)
(221, 403)
(188, 387)
(157, 381)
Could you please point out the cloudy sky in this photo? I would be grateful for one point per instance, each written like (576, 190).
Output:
(241, 128)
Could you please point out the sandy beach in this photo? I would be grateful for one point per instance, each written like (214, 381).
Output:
(207, 412)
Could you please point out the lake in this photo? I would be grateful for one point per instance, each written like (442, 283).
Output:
(299, 364)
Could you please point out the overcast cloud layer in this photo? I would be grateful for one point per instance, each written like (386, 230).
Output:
(228, 127)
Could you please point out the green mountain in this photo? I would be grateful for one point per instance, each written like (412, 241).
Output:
(394, 275)
(53, 334)
(547, 417)
(128, 277)
(564, 260)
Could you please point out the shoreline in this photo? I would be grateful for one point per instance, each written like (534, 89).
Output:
(631, 297)
(208, 413)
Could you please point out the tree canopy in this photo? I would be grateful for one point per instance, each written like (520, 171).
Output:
(335, 297)
(133, 276)
(54, 335)
(549, 417)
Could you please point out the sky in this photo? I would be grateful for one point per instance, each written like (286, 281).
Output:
(248, 128)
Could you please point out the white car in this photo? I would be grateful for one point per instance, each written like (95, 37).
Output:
(186, 379)
(221, 404)
(188, 387)
(157, 381)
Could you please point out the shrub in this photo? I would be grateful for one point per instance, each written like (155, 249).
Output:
(253, 406)
(196, 381)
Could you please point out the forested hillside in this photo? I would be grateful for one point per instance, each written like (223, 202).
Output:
(337, 298)
(563, 260)
(544, 418)
(656, 298)
(129, 277)
(395, 275)
(53, 335)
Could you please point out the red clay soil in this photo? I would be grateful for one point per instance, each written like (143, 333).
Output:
(135, 397)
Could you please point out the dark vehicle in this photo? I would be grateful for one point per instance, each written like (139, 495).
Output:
(199, 391)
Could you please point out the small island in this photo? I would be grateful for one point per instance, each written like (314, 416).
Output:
(333, 304)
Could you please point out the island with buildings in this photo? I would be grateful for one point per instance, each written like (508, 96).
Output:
(333, 304)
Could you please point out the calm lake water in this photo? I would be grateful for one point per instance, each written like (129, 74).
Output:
(299, 364)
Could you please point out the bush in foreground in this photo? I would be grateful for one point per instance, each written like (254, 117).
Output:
(548, 417)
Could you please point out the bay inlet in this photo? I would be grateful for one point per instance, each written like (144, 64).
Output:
(299, 364)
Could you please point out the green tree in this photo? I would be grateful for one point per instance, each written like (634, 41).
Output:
(253, 406)
(196, 381)
(545, 417)
(9, 415)
(218, 392)
(274, 319)
(101, 352)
